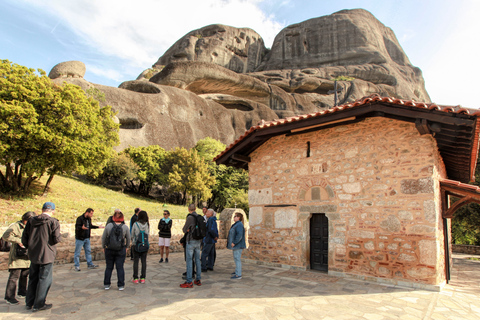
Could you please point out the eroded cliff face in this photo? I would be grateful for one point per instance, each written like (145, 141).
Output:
(306, 56)
(238, 49)
(218, 81)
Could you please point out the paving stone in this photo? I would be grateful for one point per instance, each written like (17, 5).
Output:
(263, 293)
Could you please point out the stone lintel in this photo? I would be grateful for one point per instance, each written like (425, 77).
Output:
(319, 209)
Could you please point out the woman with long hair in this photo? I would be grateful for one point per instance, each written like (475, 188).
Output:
(140, 230)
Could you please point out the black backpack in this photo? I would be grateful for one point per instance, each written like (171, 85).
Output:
(200, 230)
(116, 238)
(142, 244)
(4, 245)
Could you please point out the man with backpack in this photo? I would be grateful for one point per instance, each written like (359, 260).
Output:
(195, 230)
(115, 240)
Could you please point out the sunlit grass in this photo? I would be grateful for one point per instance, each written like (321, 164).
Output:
(72, 196)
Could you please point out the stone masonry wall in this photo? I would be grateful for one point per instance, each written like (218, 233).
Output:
(377, 183)
(66, 248)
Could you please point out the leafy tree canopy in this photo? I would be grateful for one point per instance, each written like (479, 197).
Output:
(231, 184)
(151, 161)
(189, 174)
(49, 128)
(208, 148)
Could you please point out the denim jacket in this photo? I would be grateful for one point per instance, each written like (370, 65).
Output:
(236, 235)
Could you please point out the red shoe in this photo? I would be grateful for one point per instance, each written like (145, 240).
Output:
(186, 285)
(135, 281)
(198, 282)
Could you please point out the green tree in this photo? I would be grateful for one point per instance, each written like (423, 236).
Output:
(230, 183)
(239, 199)
(151, 161)
(46, 128)
(189, 174)
(466, 220)
(119, 169)
(208, 148)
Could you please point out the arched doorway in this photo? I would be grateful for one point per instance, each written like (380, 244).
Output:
(319, 242)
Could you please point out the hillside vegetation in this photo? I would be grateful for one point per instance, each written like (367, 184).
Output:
(72, 196)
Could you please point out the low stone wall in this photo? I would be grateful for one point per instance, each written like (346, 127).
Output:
(462, 248)
(66, 248)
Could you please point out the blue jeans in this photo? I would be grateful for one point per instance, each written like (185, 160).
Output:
(207, 254)
(237, 255)
(41, 276)
(88, 251)
(193, 249)
(117, 259)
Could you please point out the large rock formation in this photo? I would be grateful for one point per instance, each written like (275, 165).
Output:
(347, 43)
(170, 117)
(237, 49)
(218, 81)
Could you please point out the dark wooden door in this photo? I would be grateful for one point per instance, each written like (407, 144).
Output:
(319, 242)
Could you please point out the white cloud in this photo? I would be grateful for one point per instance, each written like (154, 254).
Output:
(450, 75)
(111, 74)
(141, 31)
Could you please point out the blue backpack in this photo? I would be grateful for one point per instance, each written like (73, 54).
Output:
(142, 244)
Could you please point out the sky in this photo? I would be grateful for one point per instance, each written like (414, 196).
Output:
(118, 39)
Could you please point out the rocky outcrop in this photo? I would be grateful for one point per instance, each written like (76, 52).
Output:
(218, 81)
(68, 69)
(349, 43)
(170, 117)
(237, 49)
(207, 78)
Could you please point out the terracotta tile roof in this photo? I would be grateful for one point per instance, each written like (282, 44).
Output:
(373, 99)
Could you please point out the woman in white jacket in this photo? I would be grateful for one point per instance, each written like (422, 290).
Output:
(140, 231)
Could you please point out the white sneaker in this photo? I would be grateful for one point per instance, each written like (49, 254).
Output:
(107, 287)
(121, 288)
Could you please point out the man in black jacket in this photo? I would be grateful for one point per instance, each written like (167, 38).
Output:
(40, 236)
(82, 239)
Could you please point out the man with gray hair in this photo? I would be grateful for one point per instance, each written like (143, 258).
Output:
(209, 241)
(40, 236)
(192, 248)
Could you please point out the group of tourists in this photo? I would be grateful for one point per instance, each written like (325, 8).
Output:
(31, 257)
(33, 249)
(200, 236)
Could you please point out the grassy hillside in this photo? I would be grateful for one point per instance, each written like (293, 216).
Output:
(72, 196)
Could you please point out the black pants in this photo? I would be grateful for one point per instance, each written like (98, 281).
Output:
(114, 258)
(136, 257)
(41, 277)
(20, 275)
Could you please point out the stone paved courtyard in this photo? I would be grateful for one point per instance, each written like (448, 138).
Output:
(263, 293)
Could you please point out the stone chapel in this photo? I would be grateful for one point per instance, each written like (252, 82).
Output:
(360, 190)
